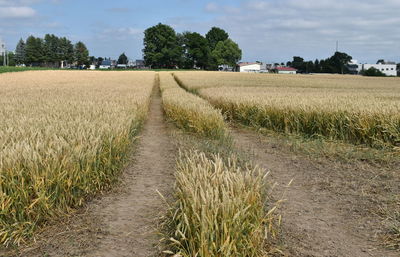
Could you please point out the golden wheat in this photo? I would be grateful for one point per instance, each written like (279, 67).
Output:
(63, 136)
(220, 208)
(188, 111)
(350, 108)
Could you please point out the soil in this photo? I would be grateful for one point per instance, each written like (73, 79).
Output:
(327, 209)
(123, 222)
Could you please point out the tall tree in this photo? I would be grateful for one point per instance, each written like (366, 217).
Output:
(123, 59)
(339, 62)
(34, 51)
(20, 52)
(227, 52)
(196, 50)
(81, 54)
(216, 35)
(52, 48)
(161, 48)
(66, 50)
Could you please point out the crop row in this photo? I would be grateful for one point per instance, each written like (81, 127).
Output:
(63, 137)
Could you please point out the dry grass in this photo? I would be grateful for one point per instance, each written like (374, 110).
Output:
(220, 208)
(190, 112)
(349, 108)
(63, 137)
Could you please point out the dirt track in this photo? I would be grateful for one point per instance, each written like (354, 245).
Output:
(123, 223)
(316, 220)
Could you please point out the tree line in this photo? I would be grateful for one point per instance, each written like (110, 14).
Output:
(164, 48)
(337, 63)
(50, 51)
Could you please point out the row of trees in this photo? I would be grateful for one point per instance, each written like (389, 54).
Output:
(164, 48)
(50, 51)
(337, 63)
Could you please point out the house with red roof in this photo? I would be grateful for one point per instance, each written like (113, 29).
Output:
(285, 70)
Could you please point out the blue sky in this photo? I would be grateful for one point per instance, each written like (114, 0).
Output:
(266, 30)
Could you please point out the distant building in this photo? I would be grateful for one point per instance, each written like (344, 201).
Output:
(122, 66)
(105, 65)
(249, 67)
(354, 67)
(285, 70)
(139, 64)
(225, 67)
(387, 69)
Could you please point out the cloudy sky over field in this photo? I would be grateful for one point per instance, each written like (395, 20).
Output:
(268, 30)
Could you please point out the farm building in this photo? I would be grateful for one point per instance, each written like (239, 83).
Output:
(105, 65)
(388, 68)
(249, 67)
(285, 70)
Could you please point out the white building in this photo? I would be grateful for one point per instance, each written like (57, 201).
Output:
(387, 69)
(249, 67)
(354, 67)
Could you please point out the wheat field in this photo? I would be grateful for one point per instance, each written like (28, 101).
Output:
(354, 109)
(188, 111)
(63, 137)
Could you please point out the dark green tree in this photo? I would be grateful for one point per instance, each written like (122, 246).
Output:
(34, 51)
(99, 61)
(226, 52)
(81, 54)
(20, 52)
(123, 59)
(373, 72)
(66, 50)
(299, 64)
(52, 48)
(196, 50)
(216, 35)
(317, 67)
(338, 62)
(11, 59)
(161, 48)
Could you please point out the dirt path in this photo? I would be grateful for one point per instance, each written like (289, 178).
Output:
(123, 223)
(129, 220)
(317, 221)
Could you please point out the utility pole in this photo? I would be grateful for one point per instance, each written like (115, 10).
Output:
(337, 46)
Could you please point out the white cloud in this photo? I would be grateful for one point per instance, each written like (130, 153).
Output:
(17, 12)
(279, 29)
(19, 2)
(211, 7)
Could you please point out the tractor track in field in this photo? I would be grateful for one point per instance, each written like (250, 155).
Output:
(123, 222)
(322, 216)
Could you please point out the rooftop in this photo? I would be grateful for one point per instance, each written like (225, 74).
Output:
(285, 69)
(247, 63)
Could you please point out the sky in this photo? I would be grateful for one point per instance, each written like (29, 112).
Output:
(266, 30)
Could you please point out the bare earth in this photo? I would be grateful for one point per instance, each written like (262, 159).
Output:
(325, 213)
(124, 222)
